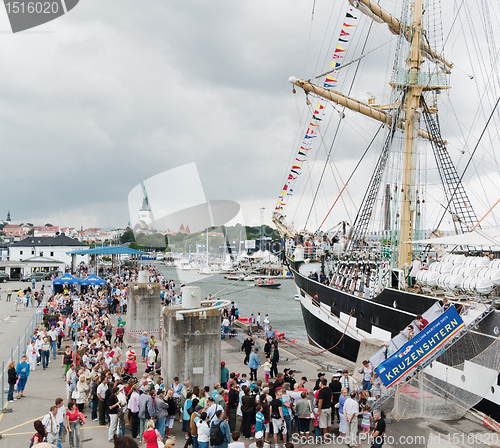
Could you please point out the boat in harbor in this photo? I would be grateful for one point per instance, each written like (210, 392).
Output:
(242, 278)
(361, 291)
(267, 283)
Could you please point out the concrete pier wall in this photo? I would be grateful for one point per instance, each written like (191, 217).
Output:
(143, 313)
(191, 347)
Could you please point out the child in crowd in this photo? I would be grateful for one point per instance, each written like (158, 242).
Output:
(317, 430)
(366, 422)
(266, 369)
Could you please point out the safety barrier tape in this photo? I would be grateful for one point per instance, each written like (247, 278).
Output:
(156, 330)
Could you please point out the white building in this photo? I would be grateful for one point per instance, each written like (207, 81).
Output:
(54, 248)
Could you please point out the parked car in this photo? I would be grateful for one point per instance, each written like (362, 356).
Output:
(4, 277)
(38, 276)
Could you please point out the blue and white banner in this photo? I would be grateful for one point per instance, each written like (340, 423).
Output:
(420, 347)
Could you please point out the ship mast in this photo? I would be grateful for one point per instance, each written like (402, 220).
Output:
(412, 118)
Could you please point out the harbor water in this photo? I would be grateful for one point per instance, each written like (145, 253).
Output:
(284, 311)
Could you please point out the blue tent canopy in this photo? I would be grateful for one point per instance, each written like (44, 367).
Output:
(93, 279)
(67, 279)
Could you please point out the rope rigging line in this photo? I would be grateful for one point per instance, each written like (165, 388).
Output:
(469, 161)
(233, 292)
(352, 174)
(326, 349)
(354, 60)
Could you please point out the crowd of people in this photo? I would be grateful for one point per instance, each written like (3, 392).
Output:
(102, 377)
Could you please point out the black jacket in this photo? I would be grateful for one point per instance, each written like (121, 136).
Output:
(247, 345)
(12, 376)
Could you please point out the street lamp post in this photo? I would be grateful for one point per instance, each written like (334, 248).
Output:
(262, 228)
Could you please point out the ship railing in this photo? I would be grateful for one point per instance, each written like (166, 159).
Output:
(302, 253)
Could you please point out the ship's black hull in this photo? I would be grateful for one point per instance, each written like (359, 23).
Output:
(322, 335)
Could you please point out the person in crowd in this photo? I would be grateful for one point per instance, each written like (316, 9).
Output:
(253, 364)
(11, 380)
(348, 382)
(40, 433)
(146, 408)
(235, 436)
(367, 371)
(113, 407)
(50, 423)
(203, 430)
(420, 322)
(73, 424)
(22, 371)
(248, 410)
(343, 422)
(246, 347)
(224, 375)
(151, 435)
(304, 411)
(277, 418)
(232, 404)
(351, 412)
(172, 409)
(220, 437)
(325, 407)
(378, 433)
(275, 358)
(161, 407)
(60, 419)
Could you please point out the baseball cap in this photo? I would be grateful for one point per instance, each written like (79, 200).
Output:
(259, 435)
(222, 363)
(320, 374)
(291, 371)
(337, 375)
(304, 378)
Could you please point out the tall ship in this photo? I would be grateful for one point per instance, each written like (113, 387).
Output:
(353, 280)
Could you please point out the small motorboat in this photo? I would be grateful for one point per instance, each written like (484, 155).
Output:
(268, 283)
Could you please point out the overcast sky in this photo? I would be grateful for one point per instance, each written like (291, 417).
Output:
(117, 91)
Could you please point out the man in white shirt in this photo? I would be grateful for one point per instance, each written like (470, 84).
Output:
(60, 418)
(212, 408)
(69, 376)
(50, 424)
(351, 411)
(416, 266)
(259, 435)
(52, 334)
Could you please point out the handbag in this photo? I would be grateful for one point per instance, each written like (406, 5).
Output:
(158, 441)
(63, 435)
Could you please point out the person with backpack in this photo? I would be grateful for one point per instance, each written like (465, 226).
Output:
(220, 437)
